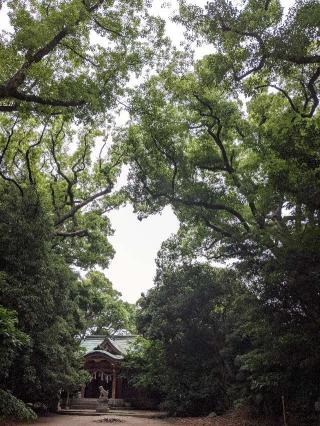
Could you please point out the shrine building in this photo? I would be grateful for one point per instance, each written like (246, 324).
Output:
(102, 359)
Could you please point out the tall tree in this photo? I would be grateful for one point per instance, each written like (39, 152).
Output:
(37, 283)
(238, 162)
(184, 316)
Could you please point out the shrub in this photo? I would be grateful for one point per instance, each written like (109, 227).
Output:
(13, 408)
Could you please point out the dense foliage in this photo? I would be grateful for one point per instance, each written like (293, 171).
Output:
(72, 57)
(184, 319)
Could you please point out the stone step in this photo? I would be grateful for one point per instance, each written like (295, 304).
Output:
(83, 406)
(114, 412)
(91, 403)
(78, 412)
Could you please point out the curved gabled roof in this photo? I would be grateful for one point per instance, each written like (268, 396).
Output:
(106, 354)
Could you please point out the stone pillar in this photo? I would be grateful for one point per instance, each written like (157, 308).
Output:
(114, 382)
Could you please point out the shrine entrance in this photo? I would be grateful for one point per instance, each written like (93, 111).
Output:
(102, 361)
(99, 378)
(103, 371)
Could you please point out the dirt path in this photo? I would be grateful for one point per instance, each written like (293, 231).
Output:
(60, 420)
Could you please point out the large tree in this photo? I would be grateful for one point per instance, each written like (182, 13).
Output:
(56, 160)
(184, 318)
(65, 66)
(233, 147)
(38, 285)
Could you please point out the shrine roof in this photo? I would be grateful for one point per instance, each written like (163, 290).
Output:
(120, 342)
(91, 342)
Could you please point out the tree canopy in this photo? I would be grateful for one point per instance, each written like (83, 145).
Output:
(49, 48)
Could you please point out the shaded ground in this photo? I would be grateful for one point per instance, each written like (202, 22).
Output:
(221, 421)
(148, 418)
(74, 420)
(60, 420)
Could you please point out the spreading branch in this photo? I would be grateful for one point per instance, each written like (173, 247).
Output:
(107, 29)
(263, 52)
(80, 233)
(10, 88)
(9, 139)
(71, 213)
(292, 104)
(213, 207)
(7, 144)
(27, 154)
(216, 136)
(216, 228)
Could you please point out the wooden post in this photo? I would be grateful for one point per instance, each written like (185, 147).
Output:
(284, 412)
(114, 382)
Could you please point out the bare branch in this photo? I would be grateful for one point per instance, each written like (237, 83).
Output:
(13, 181)
(27, 155)
(8, 108)
(213, 207)
(66, 234)
(100, 154)
(293, 106)
(53, 199)
(258, 67)
(216, 228)
(313, 92)
(171, 158)
(109, 30)
(210, 168)
(10, 134)
(302, 60)
(45, 101)
(84, 57)
(71, 213)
